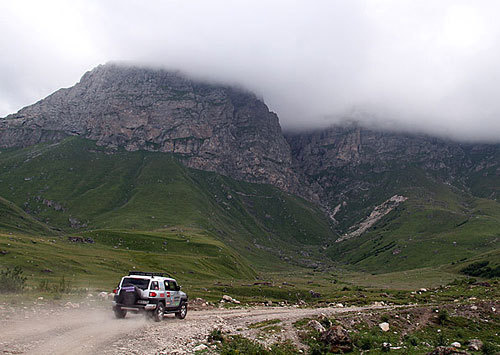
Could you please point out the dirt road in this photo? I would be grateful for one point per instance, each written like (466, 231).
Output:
(94, 330)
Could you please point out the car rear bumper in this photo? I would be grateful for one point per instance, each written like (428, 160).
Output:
(135, 307)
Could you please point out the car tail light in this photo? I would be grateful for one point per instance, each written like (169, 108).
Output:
(152, 294)
(168, 294)
(114, 291)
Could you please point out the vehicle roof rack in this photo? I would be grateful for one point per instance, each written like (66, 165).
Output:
(142, 273)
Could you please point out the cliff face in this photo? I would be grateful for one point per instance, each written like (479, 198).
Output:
(209, 127)
(352, 169)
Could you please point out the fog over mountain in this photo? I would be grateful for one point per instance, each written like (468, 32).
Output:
(422, 66)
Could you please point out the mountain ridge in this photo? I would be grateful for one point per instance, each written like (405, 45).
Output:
(210, 127)
(349, 171)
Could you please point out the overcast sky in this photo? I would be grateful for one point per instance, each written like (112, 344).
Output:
(424, 65)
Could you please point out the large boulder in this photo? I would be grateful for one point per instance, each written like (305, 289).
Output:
(337, 340)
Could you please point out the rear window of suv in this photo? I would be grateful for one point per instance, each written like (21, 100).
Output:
(131, 281)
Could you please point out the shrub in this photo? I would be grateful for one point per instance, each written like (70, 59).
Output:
(63, 286)
(443, 316)
(365, 342)
(489, 349)
(12, 280)
(481, 269)
(215, 335)
(440, 340)
(413, 340)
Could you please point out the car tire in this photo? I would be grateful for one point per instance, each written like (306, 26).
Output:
(181, 314)
(119, 313)
(159, 312)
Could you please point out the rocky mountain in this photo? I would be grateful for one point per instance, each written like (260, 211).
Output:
(209, 127)
(353, 169)
(351, 172)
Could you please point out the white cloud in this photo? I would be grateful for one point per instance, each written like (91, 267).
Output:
(423, 65)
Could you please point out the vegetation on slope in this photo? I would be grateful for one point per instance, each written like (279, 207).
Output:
(439, 224)
(77, 186)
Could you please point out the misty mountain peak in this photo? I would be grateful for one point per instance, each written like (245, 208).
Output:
(209, 126)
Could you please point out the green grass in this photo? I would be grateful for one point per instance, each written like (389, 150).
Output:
(14, 219)
(437, 225)
(193, 258)
(264, 323)
(148, 211)
(76, 184)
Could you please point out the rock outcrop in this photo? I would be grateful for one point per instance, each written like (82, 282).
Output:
(209, 127)
(352, 170)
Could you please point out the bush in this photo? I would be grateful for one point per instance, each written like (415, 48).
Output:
(489, 349)
(481, 269)
(440, 340)
(443, 316)
(413, 340)
(215, 335)
(365, 342)
(12, 280)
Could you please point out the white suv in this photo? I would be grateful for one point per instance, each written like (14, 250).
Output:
(155, 293)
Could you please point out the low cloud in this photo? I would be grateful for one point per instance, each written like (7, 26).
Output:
(427, 66)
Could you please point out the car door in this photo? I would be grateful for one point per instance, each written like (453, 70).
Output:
(168, 294)
(176, 295)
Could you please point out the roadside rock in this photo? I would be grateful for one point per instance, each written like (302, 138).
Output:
(200, 347)
(229, 299)
(384, 326)
(316, 326)
(337, 339)
(475, 345)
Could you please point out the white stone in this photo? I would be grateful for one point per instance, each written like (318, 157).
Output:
(200, 347)
(384, 326)
(316, 326)
(227, 298)
(456, 344)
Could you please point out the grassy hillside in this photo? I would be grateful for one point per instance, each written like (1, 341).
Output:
(439, 224)
(146, 210)
(99, 258)
(14, 220)
(77, 186)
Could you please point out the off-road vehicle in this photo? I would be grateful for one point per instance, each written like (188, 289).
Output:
(154, 293)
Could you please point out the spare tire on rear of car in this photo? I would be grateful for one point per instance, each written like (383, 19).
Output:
(129, 295)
